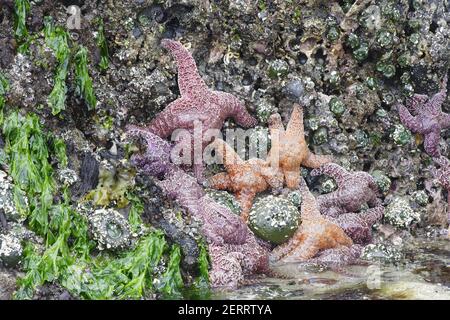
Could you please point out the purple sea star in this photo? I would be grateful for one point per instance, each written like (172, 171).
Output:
(429, 119)
(337, 258)
(358, 226)
(354, 190)
(197, 103)
(234, 250)
(342, 205)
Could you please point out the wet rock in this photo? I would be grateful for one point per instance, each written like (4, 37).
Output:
(10, 250)
(8, 278)
(155, 203)
(381, 252)
(88, 175)
(7, 205)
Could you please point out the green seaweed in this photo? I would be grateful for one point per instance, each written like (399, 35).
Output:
(137, 208)
(59, 149)
(26, 148)
(171, 281)
(21, 10)
(103, 46)
(130, 276)
(4, 88)
(57, 39)
(83, 81)
(66, 257)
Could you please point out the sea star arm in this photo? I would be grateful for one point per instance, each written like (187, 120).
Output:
(155, 145)
(435, 103)
(284, 249)
(333, 170)
(243, 117)
(372, 215)
(309, 209)
(211, 235)
(408, 120)
(175, 116)
(438, 99)
(431, 143)
(236, 109)
(315, 161)
(305, 250)
(272, 176)
(229, 156)
(295, 125)
(292, 179)
(416, 102)
(220, 181)
(189, 80)
(446, 120)
(226, 270)
(245, 199)
(372, 185)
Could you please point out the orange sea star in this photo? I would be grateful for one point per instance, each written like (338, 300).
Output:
(289, 149)
(244, 178)
(313, 235)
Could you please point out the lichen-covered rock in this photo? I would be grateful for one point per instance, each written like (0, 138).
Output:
(400, 214)
(110, 229)
(383, 181)
(226, 199)
(420, 197)
(274, 219)
(7, 194)
(67, 176)
(381, 252)
(10, 250)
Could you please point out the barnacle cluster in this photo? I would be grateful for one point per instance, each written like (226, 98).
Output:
(399, 213)
(381, 252)
(8, 196)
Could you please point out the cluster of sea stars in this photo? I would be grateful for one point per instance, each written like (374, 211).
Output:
(289, 151)
(197, 105)
(234, 250)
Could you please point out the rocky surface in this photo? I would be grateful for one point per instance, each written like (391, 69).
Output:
(347, 63)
